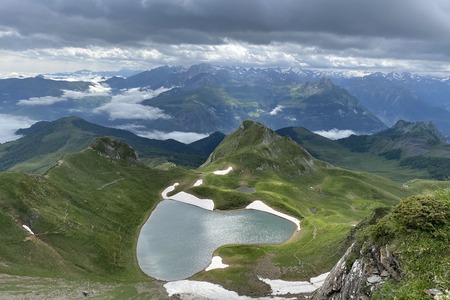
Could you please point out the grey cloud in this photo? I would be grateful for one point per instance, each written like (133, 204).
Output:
(129, 21)
(412, 29)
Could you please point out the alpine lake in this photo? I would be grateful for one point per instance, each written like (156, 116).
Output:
(178, 240)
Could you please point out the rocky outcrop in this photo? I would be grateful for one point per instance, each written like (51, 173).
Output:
(359, 273)
(114, 149)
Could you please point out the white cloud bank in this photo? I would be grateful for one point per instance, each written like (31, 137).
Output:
(9, 125)
(95, 90)
(181, 136)
(335, 134)
(41, 101)
(127, 106)
(276, 110)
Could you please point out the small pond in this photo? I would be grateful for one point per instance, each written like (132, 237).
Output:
(178, 240)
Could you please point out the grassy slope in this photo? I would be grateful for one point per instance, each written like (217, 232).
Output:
(329, 201)
(417, 233)
(339, 155)
(43, 146)
(86, 214)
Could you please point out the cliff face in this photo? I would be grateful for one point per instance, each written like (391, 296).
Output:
(359, 278)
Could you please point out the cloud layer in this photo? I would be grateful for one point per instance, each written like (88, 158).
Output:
(127, 106)
(335, 134)
(388, 35)
(9, 125)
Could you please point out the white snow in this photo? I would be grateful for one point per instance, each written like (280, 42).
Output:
(28, 229)
(189, 289)
(318, 280)
(223, 172)
(168, 190)
(187, 198)
(259, 205)
(216, 263)
(198, 182)
(282, 287)
(193, 200)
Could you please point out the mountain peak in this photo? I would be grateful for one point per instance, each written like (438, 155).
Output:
(256, 148)
(424, 130)
(325, 83)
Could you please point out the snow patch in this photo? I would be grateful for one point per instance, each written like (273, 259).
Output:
(168, 190)
(184, 197)
(223, 172)
(189, 289)
(259, 205)
(28, 229)
(198, 182)
(319, 280)
(216, 263)
(282, 287)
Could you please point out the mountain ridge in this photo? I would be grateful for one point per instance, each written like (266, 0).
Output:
(402, 152)
(273, 96)
(45, 142)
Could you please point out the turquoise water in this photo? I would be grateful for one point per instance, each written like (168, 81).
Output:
(178, 240)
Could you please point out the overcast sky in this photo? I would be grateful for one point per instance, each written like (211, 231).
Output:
(67, 35)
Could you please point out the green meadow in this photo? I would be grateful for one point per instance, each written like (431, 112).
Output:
(87, 211)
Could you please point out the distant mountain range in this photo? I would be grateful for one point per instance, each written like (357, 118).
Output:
(205, 98)
(46, 142)
(403, 152)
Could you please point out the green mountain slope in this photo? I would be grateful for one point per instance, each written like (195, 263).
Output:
(87, 210)
(46, 142)
(207, 104)
(323, 106)
(329, 201)
(403, 152)
(256, 148)
(85, 213)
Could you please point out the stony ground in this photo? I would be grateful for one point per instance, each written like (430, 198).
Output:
(20, 287)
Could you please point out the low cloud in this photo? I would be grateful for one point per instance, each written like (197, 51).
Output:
(127, 106)
(47, 100)
(335, 134)
(184, 137)
(10, 124)
(276, 110)
(181, 136)
(95, 90)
